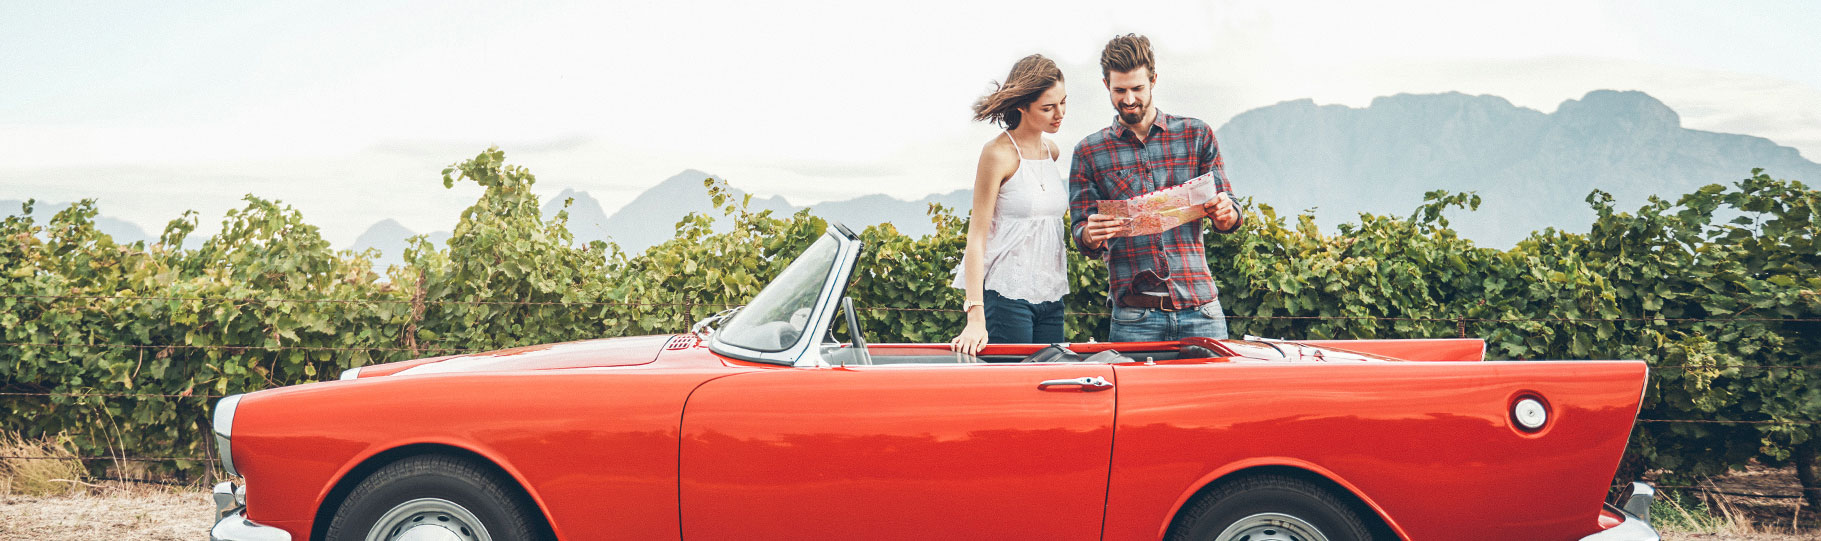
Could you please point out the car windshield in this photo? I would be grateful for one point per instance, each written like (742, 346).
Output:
(777, 316)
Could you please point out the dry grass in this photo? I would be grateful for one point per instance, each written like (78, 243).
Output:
(109, 511)
(1736, 538)
(117, 511)
(39, 477)
(114, 510)
(54, 499)
(1698, 517)
(1717, 515)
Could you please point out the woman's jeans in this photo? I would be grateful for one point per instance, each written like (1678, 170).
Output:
(1153, 325)
(1012, 321)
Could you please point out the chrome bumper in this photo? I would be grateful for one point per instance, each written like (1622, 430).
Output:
(1637, 518)
(231, 520)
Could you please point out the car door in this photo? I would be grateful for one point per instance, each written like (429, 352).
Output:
(899, 451)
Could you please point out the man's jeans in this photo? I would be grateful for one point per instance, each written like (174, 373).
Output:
(1153, 325)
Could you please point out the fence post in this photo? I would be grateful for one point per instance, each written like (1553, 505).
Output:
(208, 440)
(417, 313)
(1461, 326)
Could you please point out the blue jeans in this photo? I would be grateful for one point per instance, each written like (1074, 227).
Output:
(1152, 325)
(1012, 321)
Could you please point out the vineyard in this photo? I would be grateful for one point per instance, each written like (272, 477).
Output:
(121, 349)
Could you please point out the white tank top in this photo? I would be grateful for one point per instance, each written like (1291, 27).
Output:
(1025, 257)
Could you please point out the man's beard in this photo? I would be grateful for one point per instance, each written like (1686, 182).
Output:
(1133, 118)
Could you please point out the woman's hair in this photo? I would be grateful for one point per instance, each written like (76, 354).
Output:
(1030, 78)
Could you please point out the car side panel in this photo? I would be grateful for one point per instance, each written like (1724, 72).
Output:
(596, 448)
(1429, 445)
(963, 451)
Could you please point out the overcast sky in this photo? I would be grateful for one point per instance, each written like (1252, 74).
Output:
(349, 110)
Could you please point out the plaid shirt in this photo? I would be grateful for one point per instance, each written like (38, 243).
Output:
(1113, 164)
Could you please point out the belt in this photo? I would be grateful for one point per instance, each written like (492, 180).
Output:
(1160, 302)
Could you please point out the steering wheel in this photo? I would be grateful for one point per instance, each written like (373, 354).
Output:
(853, 332)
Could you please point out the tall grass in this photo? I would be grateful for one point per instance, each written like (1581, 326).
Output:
(23, 473)
(1683, 512)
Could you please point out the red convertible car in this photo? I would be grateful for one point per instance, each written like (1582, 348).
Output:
(759, 424)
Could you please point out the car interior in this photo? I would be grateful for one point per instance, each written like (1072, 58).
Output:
(843, 354)
(855, 351)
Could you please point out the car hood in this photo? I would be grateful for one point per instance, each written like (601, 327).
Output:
(582, 354)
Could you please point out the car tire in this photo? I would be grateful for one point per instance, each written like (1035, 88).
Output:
(452, 494)
(1271, 507)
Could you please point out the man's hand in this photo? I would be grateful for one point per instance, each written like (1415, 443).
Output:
(1222, 210)
(1102, 227)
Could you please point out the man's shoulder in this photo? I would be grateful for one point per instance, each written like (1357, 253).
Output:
(1188, 123)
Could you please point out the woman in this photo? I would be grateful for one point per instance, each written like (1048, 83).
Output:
(1014, 269)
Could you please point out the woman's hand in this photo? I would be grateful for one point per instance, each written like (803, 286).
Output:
(972, 338)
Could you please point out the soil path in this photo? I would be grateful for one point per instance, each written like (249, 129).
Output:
(185, 515)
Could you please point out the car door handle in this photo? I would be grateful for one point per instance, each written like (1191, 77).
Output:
(1093, 383)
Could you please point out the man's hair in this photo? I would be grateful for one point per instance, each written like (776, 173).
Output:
(1126, 53)
(1030, 78)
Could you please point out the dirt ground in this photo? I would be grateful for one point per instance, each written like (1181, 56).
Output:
(159, 514)
(1807, 533)
(1777, 516)
(152, 514)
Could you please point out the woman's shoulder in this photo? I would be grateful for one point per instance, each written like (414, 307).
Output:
(999, 143)
(998, 149)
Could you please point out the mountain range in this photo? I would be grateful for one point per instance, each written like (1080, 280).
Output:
(122, 231)
(649, 219)
(1532, 169)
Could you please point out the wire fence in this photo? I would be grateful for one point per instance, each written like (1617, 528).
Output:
(1714, 488)
(446, 350)
(1796, 422)
(418, 303)
(242, 349)
(114, 395)
(1709, 488)
(112, 458)
(214, 463)
(215, 396)
(692, 304)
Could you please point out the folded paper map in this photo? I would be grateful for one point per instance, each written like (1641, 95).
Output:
(1158, 211)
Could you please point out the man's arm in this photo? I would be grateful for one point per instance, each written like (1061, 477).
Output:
(1223, 210)
(1084, 198)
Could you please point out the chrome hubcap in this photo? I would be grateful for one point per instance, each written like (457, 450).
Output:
(1271, 527)
(428, 519)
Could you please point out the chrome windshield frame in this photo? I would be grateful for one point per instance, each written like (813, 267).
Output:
(806, 351)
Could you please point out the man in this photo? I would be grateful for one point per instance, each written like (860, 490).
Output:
(1161, 287)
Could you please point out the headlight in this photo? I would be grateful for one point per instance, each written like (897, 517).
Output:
(224, 431)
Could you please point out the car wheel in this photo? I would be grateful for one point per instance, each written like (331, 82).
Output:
(434, 497)
(1270, 507)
